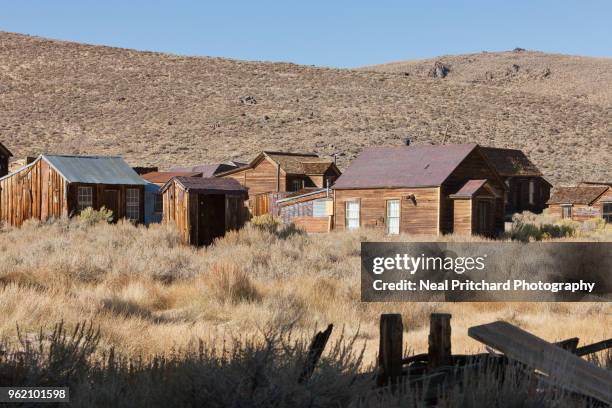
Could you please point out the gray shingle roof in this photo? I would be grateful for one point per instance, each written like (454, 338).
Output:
(94, 169)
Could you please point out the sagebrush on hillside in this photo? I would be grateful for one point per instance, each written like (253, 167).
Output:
(164, 110)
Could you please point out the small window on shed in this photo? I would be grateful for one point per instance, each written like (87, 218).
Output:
(531, 192)
(158, 205)
(133, 204)
(85, 198)
(566, 211)
(607, 212)
(319, 208)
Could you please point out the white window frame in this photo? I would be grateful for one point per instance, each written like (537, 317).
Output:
(607, 216)
(393, 228)
(568, 208)
(84, 197)
(531, 192)
(132, 204)
(351, 215)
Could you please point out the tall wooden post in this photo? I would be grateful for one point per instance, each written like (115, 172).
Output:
(439, 340)
(390, 349)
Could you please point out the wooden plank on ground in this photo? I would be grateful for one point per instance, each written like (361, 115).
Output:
(564, 368)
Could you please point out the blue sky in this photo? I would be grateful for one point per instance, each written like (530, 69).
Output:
(327, 33)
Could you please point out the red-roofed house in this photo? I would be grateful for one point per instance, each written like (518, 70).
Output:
(421, 189)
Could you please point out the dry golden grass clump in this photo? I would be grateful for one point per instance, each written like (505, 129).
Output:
(163, 110)
(148, 293)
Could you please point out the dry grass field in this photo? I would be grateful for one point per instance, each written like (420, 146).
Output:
(159, 109)
(150, 294)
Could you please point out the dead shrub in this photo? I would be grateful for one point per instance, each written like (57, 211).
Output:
(228, 282)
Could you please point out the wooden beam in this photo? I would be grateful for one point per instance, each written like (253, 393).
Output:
(439, 350)
(390, 349)
(562, 367)
(594, 348)
(314, 353)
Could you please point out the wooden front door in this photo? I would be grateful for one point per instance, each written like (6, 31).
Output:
(211, 218)
(484, 217)
(110, 200)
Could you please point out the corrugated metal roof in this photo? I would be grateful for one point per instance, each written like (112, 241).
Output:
(576, 195)
(403, 166)
(162, 177)
(510, 162)
(210, 185)
(94, 169)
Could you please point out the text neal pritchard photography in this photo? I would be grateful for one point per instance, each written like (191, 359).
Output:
(435, 271)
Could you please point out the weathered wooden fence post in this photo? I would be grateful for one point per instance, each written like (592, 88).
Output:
(314, 353)
(439, 341)
(390, 349)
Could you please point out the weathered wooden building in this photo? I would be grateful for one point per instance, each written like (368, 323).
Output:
(421, 189)
(280, 172)
(311, 210)
(5, 157)
(582, 202)
(53, 186)
(155, 180)
(527, 189)
(204, 208)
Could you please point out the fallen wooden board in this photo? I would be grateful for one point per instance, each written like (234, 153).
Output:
(563, 367)
(594, 348)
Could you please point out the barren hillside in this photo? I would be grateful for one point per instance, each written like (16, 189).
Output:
(583, 79)
(163, 109)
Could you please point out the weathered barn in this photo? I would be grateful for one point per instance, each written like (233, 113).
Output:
(582, 202)
(421, 189)
(527, 189)
(310, 210)
(53, 186)
(280, 172)
(204, 208)
(153, 198)
(5, 157)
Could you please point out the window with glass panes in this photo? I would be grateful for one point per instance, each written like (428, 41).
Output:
(158, 206)
(132, 199)
(352, 214)
(85, 198)
(393, 216)
(566, 211)
(607, 212)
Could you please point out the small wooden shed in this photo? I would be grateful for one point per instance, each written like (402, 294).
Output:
(583, 202)
(53, 186)
(204, 208)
